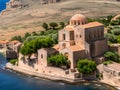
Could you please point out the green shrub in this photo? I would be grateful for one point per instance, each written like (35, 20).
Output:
(107, 62)
(58, 60)
(112, 56)
(13, 61)
(86, 66)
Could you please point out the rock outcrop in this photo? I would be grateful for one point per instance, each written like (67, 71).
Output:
(49, 1)
(14, 4)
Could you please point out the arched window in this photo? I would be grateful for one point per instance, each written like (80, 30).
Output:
(78, 22)
(80, 36)
(74, 22)
(41, 56)
(67, 55)
(64, 36)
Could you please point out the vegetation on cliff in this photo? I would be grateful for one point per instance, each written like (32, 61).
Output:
(112, 56)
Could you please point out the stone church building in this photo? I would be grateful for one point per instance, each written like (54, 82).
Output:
(82, 40)
(78, 40)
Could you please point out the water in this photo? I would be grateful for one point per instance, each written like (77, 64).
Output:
(14, 81)
(3, 4)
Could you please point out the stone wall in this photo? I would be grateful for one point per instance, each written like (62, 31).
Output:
(42, 75)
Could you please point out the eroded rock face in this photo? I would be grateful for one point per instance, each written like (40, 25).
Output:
(49, 1)
(15, 4)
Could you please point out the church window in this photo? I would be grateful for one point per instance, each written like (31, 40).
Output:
(78, 22)
(67, 55)
(42, 56)
(74, 22)
(64, 37)
(80, 36)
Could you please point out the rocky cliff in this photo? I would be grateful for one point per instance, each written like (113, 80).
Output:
(14, 4)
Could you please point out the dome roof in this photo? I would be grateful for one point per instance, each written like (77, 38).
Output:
(78, 19)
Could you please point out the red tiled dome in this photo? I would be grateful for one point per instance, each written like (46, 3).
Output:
(78, 19)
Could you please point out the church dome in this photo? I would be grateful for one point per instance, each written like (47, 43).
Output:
(78, 19)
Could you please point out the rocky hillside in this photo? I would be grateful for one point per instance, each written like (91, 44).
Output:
(32, 14)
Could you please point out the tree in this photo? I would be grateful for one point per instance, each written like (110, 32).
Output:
(53, 25)
(86, 66)
(34, 34)
(26, 35)
(62, 24)
(32, 46)
(19, 38)
(118, 39)
(113, 56)
(45, 26)
(58, 60)
(111, 38)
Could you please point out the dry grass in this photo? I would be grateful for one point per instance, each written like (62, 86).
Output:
(29, 19)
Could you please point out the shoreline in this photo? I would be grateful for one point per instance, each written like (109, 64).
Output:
(57, 79)
(4, 9)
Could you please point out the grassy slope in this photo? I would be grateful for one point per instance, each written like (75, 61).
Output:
(30, 18)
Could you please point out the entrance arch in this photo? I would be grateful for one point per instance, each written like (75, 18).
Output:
(68, 56)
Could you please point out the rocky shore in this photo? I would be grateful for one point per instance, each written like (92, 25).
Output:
(54, 78)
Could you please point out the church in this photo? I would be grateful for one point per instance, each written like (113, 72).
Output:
(78, 40)
(82, 40)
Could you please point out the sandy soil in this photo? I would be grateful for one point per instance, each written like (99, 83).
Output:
(29, 19)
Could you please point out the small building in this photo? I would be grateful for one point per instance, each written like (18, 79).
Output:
(4, 44)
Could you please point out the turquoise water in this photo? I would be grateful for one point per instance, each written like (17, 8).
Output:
(13, 81)
(3, 4)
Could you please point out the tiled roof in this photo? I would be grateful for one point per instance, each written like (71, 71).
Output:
(75, 48)
(15, 41)
(92, 24)
(4, 42)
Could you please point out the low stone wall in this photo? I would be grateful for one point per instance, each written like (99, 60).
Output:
(111, 71)
(54, 78)
(41, 75)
